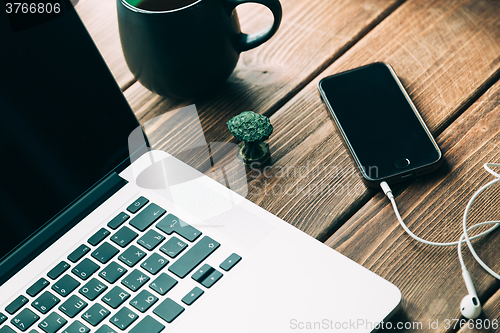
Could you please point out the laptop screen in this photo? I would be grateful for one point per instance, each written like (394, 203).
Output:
(64, 123)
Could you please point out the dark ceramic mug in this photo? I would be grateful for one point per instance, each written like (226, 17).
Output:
(186, 52)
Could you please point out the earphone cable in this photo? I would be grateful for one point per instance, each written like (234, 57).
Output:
(465, 235)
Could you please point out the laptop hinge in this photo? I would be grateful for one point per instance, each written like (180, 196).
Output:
(59, 225)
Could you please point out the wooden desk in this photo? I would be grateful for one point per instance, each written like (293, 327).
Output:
(447, 54)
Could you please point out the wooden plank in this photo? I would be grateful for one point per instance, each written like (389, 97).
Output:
(312, 182)
(312, 34)
(430, 277)
(100, 19)
(442, 52)
(428, 43)
(490, 320)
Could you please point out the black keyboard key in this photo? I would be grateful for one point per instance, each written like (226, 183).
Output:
(115, 297)
(173, 247)
(25, 319)
(202, 273)
(7, 329)
(207, 276)
(135, 280)
(106, 329)
(73, 306)
(211, 279)
(148, 324)
(118, 220)
(52, 323)
(154, 263)
(98, 236)
(151, 239)
(192, 296)
(172, 223)
(93, 289)
(194, 256)
(132, 256)
(76, 327)
(58, 270)
(85, 269)
(3, 318)
(143, 301)
(229, 263)
(163, 284)
(147, 217)
(105, 252)
(168, 310)
(45, 302)
(136, 205)
(123, 318)
(124, 236)
(96, 314)
(78, 253)
(112, 272)
(37, 287)
(65, 285)
(16, 304)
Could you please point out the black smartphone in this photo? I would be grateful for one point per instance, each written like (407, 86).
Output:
(379, 124)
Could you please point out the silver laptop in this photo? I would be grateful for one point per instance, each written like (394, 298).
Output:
(99, 233)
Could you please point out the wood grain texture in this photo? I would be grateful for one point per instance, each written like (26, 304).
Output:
(429, 277)
(100, 19)
(311, 182)
(320, 200)
(312, 34)
(442, 51)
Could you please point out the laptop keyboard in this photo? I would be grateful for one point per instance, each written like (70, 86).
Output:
(125, 270)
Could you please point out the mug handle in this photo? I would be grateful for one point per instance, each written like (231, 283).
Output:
(250, 41)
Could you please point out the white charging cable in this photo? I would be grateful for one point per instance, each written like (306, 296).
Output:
(470, 306)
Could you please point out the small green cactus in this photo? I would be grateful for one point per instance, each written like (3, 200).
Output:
(252, 129)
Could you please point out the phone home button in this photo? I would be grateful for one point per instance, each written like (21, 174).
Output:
(402, 163)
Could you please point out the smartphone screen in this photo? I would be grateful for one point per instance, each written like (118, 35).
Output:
(379, 123)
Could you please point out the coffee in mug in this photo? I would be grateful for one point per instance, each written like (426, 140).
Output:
(160, 5)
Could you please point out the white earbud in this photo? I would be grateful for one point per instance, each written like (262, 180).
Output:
(470, 305)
